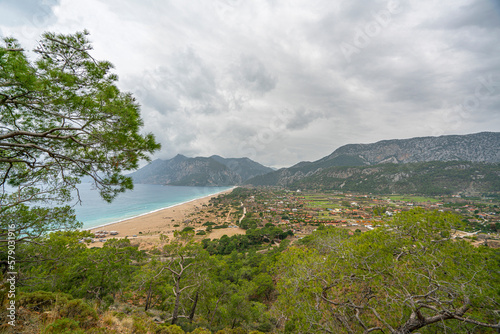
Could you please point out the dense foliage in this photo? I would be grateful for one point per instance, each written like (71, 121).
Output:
(408, 276)
(268, 235)
(179, 279)
(62, 118)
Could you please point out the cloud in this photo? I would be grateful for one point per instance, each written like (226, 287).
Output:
(252, 74)
(300, 118)
(27, 12)
(480, 14)
(185, 83)
(270, 79)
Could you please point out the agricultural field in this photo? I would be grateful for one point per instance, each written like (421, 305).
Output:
(414, 199)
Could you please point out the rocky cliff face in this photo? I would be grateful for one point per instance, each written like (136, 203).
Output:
(480, 147)
(429, 178)
(200, 171)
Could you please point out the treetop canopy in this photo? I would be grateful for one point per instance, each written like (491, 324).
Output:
(63, 117)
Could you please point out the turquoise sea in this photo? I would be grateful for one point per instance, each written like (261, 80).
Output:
(145, 198)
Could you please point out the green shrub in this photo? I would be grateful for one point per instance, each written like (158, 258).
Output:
(40, 301)
(220, 226)
(80, 311)
(201, 330)
(100, 331)
(172, 329)
(107, 301)
(63, 326)
(289, 326)
(263, 327)
(138, 326)
(237, 330)
(120, 315)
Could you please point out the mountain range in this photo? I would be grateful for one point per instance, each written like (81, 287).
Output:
(199, 171)
(408, 165)
(479, 147)
(425, 178)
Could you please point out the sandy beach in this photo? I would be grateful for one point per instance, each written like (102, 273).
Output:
(146, 229)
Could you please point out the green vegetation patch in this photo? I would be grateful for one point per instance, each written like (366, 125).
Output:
(415, 199)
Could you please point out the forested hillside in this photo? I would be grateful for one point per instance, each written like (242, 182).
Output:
(332, 280)
(427, 178)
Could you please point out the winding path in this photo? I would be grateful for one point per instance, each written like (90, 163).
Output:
(244, 213)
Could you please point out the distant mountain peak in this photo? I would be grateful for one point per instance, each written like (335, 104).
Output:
(180, 156)
(199, 171)
(478, 147)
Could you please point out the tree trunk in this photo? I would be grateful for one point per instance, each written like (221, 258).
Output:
(175, 314)
(417, 320)
(193, 309)
(148, 298)
(215, 309)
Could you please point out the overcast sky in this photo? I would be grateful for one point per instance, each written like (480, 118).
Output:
(281, 81)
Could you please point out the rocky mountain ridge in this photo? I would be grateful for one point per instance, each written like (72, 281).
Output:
(479, 147)
(427, 178)
(199, 171)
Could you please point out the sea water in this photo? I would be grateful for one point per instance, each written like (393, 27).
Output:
(145, 198)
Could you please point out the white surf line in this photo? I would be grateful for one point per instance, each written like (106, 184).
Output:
(147, 213)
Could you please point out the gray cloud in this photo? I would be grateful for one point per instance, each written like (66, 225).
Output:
(300, 118)
(252, 74)
(184, 83)
(192, 77)
(283, 81)
(473, 14)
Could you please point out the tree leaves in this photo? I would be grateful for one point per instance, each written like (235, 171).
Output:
(406, 276)
(63, 118)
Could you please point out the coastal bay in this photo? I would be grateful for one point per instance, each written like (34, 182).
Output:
(146, 229)
(94, 212)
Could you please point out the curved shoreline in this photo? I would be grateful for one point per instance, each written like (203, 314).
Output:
(142, 215)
